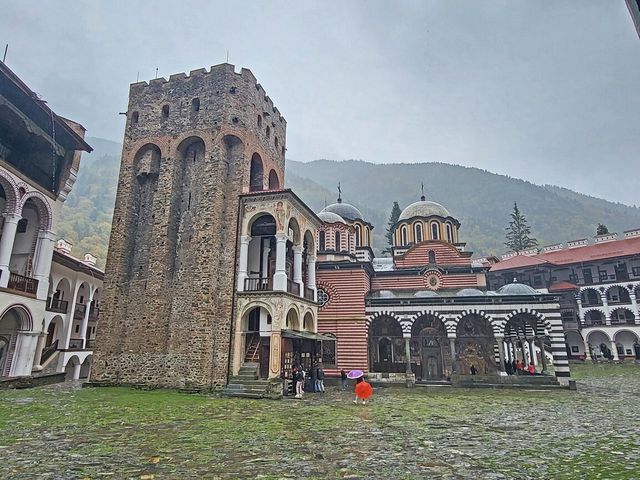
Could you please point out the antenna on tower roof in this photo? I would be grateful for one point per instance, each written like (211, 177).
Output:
(339, 193)
(227, 56)
(422, 188)
(156, 72)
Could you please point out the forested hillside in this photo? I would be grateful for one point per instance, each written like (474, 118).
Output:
(481, 200)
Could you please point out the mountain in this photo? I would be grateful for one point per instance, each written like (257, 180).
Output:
(480, 200)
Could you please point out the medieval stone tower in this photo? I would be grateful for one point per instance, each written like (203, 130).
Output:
(192, 145)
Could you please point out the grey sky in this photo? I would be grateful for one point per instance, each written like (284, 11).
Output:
(547, 90)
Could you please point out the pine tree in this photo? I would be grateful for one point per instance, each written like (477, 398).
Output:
(602, 229)
(393, 219)
(518, 232)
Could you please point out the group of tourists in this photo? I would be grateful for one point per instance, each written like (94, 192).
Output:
(518, 367)
(308, 381)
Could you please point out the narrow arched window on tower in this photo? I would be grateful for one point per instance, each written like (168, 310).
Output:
(417, 232)
(449, 233)
(275, 141)
(259, 121)
(435, 231)
(321, 241)
(268, 131)
(165, 111)
(338, 247)
(432, 257)
(403, 236)
(195, 105)
(358, 235)
(134, 117)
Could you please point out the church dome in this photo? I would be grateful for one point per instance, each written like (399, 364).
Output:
(517, 289)
(424, 208)
(330, 217)
(425, 294)
(470, 292)
(344, 210)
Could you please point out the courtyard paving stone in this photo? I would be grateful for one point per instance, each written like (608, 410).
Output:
(64, 432)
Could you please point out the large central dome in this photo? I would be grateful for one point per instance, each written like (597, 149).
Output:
(424, 208)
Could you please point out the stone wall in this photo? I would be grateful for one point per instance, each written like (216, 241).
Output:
(167, 307)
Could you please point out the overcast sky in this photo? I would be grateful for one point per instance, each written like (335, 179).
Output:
(548, 91)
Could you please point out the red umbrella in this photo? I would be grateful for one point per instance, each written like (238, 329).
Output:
(364, 390)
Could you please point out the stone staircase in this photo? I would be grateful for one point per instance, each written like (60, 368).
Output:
(247, 384)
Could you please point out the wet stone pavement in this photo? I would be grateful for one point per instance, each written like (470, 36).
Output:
(64, 432)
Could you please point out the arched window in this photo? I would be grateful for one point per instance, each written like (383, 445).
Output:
(195, 105)
(256, 181)
(268, 131)
(274, 182)
(135, 116)
(432, 257)
(275, 141)
(322, 241)
(357, 235)
(338, 247)
(259, 121)
(403, 235)
(449, 233)
(165, 111)
(435, 231)
(417, 232)
(366, 235)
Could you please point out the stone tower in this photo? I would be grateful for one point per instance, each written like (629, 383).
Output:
(192, 145)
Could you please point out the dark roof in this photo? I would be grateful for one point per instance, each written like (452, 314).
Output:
(77, 264)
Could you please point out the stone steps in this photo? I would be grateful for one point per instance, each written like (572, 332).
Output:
(247, 384)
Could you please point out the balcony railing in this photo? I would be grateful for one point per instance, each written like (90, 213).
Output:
(293, 287)
(79, 311)
(258, 284)
(308, 293)
(22, 283)
(57, 305)
(93, 313)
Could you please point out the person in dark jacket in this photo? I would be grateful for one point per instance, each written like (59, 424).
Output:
(343, 379)
(320, 381)
(298, 378)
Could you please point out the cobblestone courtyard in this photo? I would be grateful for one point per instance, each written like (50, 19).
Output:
(61, 432)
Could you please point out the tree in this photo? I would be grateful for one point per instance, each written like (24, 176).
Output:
(602, 229)
(393, 219)
(518, 232)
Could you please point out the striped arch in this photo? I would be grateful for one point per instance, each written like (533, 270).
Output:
(527, 311)
(11, 192)
(44, 209)
(257, 303)
(449, 327)
(496, 325)
(377, 315)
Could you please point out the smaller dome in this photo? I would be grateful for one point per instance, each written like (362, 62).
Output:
(330, 217)
(386, 294)
(470, 292)
(425, 293)
(345, 210)
(424, 208)
(517, 289)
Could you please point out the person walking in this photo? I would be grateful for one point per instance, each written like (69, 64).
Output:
(298, 377)
(363, 390)
(313, 382)
(320, 376)
(343, 380)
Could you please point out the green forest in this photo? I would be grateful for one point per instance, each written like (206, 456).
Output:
(482, 201)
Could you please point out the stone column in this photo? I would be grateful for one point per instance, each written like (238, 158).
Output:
(508, 349)
(76, 371)
(84, 324)
(275, 360)
(580, 312)
(46, 242)
(297, 268)
(452, 345)
(500, 341)
(37, 359)
(407, 351)
(311, 276)
(244, 261)
(543, 355)
(6, 245)
(280, 275)
(532, 351)
(614, 351)
(607, 311)
(634, 307)
(65, 338)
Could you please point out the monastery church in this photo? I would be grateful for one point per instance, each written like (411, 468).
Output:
(219, 277)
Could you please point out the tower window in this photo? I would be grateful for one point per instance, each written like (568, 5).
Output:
(134, 117)
(195, 105)
(337, 245)
(357, 235)
(268, 131)
(403, 235)
(322, 241)
(449, 233)
(283, 150)
(432, 257)
(435, 231)
(275, 141)
(259, 120)
(165, 111)
(417, 232)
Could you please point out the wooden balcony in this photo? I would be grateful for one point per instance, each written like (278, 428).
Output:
(293, 287)
(258, 284)
(21, 283)
(57, 305)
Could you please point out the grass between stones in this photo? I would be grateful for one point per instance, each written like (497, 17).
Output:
(63, 432)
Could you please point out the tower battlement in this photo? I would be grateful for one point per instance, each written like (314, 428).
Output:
(206, 99)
